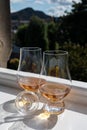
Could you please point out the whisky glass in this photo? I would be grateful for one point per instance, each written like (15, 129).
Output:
(28, 78)
(55, 66)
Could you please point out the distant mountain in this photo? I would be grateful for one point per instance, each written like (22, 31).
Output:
(25, 14)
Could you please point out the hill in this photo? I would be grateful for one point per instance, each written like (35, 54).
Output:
(25, 14)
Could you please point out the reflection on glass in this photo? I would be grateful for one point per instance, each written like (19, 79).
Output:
(55, 64)
(29, 79)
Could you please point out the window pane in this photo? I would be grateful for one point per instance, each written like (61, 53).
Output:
(51, 24)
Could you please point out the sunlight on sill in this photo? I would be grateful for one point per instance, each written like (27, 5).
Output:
(8, 77)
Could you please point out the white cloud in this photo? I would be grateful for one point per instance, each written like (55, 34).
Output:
(61, 7)
(16, 1)
(39, 2)
(62, 1)
(19, 1)
(56, 11)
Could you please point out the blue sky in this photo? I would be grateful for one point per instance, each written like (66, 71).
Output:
(51, 7)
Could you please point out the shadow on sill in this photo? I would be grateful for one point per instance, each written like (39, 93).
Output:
(75, 101)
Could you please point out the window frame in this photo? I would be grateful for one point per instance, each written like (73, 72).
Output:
(8, 78)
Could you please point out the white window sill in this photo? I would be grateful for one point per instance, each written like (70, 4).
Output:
(76, 101)
(8, 78)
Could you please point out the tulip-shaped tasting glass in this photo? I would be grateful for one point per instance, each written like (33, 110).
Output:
(28, 77)
(55, 64)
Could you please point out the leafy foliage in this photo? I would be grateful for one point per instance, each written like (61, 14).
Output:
(13, 63)
(77, 61)
(21, 35)
(36, 33)
(51, 34)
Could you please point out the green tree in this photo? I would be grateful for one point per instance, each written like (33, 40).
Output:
(21, 35)
(77, 60)
(51, 34)
(36, 33)
(74, 25)
(79, 7)
(62, 33)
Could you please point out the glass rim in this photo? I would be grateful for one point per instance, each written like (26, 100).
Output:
(30, 49)
(55, 52)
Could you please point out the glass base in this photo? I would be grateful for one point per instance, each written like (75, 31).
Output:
(54, 108)
(26, 102)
